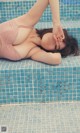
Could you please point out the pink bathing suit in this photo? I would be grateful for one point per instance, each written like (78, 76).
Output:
(8, 34)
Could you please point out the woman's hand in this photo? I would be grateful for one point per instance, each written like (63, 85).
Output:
(58, 34)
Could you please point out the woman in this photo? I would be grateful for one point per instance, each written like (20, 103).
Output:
(20, 40)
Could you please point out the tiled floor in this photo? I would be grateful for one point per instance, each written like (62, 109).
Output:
(54, 117)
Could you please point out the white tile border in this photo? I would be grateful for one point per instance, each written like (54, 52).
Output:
(66, 24)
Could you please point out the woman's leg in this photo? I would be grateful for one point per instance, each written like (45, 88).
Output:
(34, 14)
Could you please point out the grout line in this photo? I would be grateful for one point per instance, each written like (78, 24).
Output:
(22, 104)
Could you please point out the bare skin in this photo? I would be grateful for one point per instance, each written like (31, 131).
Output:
(29, 49)
(58, 34)
(27, 41)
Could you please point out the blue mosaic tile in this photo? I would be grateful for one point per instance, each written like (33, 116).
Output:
(70, 10)
(30, 81)
(40, 82)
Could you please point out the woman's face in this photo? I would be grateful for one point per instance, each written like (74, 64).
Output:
(49, 43)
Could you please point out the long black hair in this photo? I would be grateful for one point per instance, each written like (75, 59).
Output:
(70, 42)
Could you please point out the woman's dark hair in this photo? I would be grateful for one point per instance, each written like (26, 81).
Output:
(70, 42)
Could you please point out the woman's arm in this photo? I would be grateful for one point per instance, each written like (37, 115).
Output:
(34, 14)
(37, 54)
(45, 57)
(58, 33)
(54, 4)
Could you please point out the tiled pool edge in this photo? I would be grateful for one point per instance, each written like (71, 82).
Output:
(40, 83)
(41, 118)
(29, 81)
